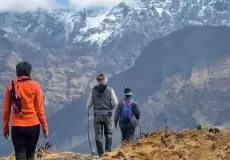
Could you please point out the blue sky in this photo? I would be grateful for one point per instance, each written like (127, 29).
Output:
(96, 6)
(64, 2)
(104, 3)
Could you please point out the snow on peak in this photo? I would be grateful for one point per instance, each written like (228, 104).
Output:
(99, 37)
(95, 26)
(159, 10)
(95, 21)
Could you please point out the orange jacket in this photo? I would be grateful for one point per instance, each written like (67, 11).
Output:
(32, 105)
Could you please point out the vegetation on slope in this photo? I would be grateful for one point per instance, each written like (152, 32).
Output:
(200, 144)
(184, 145)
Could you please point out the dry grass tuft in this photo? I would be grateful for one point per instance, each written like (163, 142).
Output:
(184, 145)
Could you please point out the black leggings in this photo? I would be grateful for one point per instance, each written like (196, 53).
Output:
(25, 140)
(127, 131)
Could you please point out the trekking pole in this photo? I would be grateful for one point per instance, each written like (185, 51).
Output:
(89, 136)
(140, 128)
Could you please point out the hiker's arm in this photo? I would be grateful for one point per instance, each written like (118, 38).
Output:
(39, 107)
(6, 110)
(136, 110)
(114, 98)
(90, 101)
(117, 113)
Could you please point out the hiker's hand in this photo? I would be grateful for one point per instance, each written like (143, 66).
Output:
(6, 135)
(46, 134)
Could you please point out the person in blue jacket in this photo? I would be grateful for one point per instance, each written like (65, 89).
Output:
(128, 115)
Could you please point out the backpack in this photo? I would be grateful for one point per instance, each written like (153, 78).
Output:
(16, 100)
(126, 111)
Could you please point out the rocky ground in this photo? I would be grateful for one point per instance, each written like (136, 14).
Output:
(164, 145)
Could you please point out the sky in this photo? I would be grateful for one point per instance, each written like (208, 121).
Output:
(30, 5)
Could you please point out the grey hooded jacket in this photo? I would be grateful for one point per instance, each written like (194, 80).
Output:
(103, 98)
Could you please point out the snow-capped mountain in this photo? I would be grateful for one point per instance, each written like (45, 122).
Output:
(67, 47)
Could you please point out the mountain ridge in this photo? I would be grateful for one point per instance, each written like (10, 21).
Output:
(65, 61)
(93, 41)
(169, 84)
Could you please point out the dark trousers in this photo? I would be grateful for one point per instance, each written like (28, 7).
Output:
(103, 122)
(25, 140)
(127, 130)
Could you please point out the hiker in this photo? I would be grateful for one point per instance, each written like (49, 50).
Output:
(104, 100)
(26, 98)
(128, 115)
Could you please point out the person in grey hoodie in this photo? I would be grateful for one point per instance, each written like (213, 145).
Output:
(128, 115)
(104, 100)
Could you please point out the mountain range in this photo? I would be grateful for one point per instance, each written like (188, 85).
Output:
(141, 46)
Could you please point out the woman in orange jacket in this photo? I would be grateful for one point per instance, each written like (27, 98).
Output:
(25, 97)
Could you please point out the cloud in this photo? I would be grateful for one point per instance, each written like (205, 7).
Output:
(104, 3)
(32, 5)
(27, 5)
(132, 3)
(86, 3)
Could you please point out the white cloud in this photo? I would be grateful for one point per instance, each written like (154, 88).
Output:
(106, 3)
(132, 3)
(31, 5)
(85, 3)
(27, 5)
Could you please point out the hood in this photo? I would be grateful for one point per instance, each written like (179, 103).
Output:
(100, 89)
(127, 99)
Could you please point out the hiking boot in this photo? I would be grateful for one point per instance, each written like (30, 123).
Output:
(99, 146)
(108, 144)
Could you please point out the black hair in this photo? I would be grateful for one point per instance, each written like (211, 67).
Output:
(23, 69)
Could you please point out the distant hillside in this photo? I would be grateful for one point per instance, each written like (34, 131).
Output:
(184, 77)
(67, 47)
